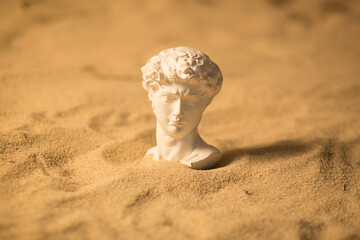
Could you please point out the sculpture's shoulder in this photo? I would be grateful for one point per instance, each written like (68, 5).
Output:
(154, 152)
(203, 157)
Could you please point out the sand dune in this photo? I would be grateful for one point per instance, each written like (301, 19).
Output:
(75, 122)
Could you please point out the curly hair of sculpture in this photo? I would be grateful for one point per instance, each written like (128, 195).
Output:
(182, 64)
(181, 82)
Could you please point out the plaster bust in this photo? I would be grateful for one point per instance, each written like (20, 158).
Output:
(181, 82)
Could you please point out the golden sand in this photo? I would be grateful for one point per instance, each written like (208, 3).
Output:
(75, 121)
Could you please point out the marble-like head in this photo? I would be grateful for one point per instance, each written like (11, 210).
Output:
(180, 83)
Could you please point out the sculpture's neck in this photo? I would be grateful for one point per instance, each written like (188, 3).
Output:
(170, 148)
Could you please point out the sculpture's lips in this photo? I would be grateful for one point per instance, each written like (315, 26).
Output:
(176, 123)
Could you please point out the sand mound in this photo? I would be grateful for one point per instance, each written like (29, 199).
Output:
(75, 122)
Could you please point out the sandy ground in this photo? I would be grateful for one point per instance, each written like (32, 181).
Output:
(75, 121)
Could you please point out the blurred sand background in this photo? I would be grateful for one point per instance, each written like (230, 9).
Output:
(75, 121)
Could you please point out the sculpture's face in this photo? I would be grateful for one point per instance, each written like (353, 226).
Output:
(178, 108)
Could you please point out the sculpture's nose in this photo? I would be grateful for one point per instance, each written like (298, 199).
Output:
(178, 109)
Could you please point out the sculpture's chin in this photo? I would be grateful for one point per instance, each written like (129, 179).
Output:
(177, 132)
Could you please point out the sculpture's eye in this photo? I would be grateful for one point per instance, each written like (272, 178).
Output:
(168, 98)
(191, 100)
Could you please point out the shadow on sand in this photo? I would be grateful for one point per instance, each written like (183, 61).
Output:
(272, 151)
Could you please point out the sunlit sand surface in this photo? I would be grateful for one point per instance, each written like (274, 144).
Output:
(75, 121)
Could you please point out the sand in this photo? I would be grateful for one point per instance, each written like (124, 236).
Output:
(75, 121)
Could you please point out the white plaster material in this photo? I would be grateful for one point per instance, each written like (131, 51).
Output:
(181, 82)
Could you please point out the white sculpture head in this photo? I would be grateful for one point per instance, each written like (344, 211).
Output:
(181, 82)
